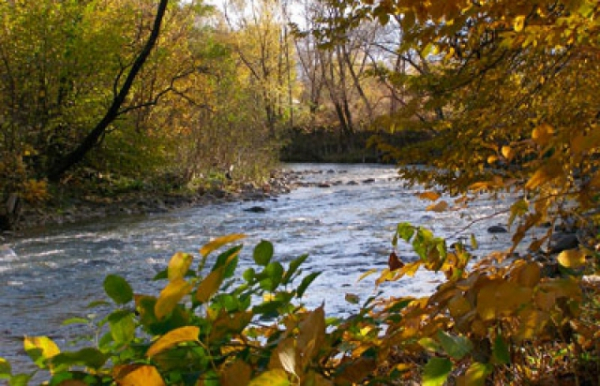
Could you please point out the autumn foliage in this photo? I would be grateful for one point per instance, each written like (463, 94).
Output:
(507, 92)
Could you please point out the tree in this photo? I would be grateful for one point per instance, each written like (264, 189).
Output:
(264, 47)
(115, 108)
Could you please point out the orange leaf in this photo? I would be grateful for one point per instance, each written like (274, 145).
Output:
(542, 134)
(239, 373)
(431, 195)
(439, 207)
(172, 338)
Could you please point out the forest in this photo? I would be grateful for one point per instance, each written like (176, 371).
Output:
(488, 96)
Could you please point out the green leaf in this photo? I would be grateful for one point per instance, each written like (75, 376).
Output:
(5, 369)
(405, 231)
(273, 274)
(277, 377)
(228, 260)
(474, 243)
(455, 346)
(75, 321)
(500, 351)
(89, 357)
(293, 268)
(306, 281)
(122, 326)
(263, 253)
(20, 380)
(118, 289)
(436, 371)
(249, 274)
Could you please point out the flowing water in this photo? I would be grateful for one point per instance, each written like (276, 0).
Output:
(346, 228)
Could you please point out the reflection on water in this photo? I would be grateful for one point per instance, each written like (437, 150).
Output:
(346, 228)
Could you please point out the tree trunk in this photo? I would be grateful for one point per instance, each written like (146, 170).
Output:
(57, 170)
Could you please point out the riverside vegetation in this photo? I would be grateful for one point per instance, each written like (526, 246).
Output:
(507, 92)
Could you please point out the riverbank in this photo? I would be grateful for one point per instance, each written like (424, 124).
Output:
(73, 208)
(88, 207)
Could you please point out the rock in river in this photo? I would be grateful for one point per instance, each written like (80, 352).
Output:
(255, 209)
(497, 229)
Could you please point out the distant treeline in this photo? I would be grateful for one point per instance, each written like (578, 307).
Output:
(330, 145)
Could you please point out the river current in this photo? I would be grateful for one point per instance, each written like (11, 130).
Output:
(346, 227)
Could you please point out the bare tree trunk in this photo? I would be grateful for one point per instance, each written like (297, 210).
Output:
(92, 139)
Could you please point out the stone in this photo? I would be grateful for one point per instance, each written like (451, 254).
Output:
(6, 252)
(497, 229)
(563, 241)
(255, 209)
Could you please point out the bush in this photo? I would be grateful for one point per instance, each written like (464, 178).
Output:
(500, 322)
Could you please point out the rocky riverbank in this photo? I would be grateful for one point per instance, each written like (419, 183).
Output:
(88, 207)
(91, 207)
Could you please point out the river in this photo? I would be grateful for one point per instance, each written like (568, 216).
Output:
(346, 228)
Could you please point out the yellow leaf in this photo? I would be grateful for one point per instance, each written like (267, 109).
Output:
(585, 142)
(542, 134)
(572, 258)
(238, 374)
(458, 306)
(431, 195)
(547, 173)
(532, 322)
(209, 285)
(507, 152)
(529, 275)
(366, 274)
(475, 375)
(219, 242)
(491, 159)
(47, 347)
(172, 338)
(519, 23)
(410, 269)
(498, 299)
(439, 207)
(479, 186)
(170, 297)
(277, 377)
(179, 265)
(142, 376)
